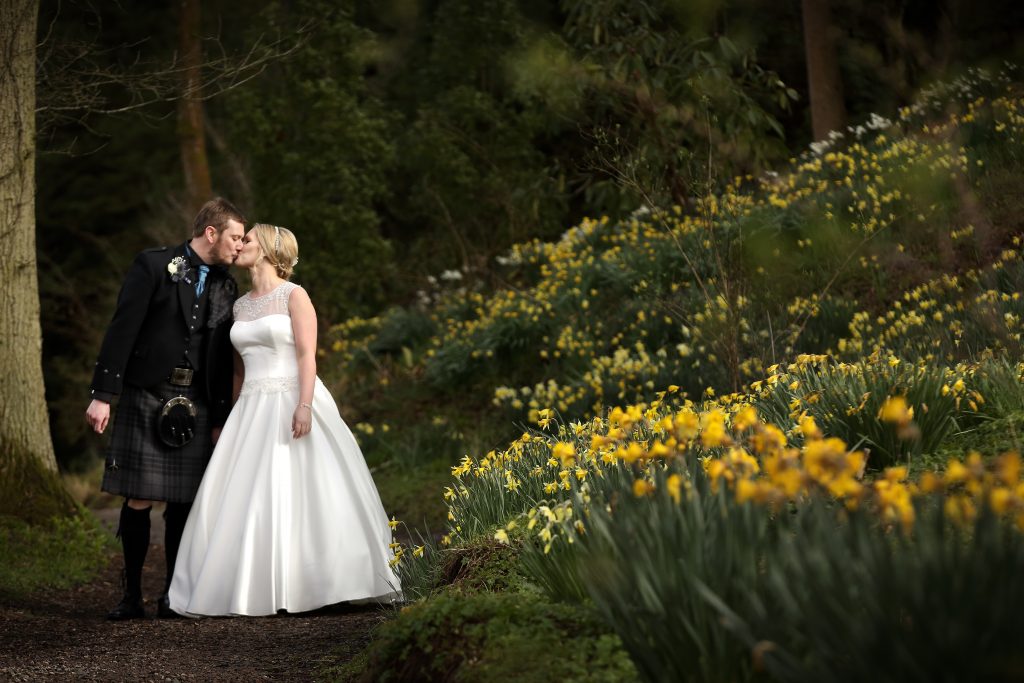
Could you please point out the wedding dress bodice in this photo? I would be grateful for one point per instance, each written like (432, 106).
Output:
(262, 335)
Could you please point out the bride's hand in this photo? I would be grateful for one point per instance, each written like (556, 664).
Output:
(302, 421)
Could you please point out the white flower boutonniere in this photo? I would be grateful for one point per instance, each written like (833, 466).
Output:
(178, 268)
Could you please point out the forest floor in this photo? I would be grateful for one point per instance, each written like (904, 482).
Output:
(64, 635)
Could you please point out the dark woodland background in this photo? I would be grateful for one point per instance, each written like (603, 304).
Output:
(400, 139)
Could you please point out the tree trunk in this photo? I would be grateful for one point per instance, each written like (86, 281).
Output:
(191, 131)
(824, 83)
(29, 485)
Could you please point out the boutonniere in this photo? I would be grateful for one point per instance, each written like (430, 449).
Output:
(179, 269)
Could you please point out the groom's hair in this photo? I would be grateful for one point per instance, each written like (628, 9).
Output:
(216, 212)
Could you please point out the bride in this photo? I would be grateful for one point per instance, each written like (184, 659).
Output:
(287, 516)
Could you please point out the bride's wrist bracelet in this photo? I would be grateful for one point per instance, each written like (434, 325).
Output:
(306, 405)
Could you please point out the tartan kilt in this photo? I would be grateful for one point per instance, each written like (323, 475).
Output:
(139, 465)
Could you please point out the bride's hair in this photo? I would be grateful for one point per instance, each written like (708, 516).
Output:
(279, 247)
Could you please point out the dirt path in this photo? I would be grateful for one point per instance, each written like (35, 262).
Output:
(63, 635)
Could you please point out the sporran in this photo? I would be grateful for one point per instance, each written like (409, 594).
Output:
(176, 421)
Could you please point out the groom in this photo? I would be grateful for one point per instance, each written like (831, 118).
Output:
(168, 356)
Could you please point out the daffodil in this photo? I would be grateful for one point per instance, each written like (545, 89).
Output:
(674, 485)
(642, 487)
(565, 452)
(895, 410)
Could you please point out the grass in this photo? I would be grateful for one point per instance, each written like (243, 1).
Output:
(990, 438)
(63, 553)
(84, 487)
(412, 494)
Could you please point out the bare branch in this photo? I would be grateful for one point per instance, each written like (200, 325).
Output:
(78, 76)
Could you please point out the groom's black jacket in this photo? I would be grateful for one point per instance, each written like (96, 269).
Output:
(153, 330)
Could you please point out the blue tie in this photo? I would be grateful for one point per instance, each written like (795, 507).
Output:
(201, 284)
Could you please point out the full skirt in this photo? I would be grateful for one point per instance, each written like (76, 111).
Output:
(281, 523)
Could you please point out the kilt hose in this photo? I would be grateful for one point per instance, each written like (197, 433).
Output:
(139, 465)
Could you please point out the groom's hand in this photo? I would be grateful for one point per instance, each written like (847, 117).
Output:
(98, 415)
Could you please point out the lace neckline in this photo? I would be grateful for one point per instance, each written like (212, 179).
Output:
(263, 296)
(275, 301)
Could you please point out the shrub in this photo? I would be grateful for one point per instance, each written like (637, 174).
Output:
(847, 400)
(496, 637)
(703, 587)
(479, 565)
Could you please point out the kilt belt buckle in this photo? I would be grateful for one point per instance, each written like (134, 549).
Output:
(181, 377)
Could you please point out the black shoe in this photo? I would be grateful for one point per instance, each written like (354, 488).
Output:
(129, 608)
(163, 608)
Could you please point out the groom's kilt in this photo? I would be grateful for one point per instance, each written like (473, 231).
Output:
(139, 465)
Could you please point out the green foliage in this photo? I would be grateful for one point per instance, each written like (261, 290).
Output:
(972, 316)
(496, 495)
(409, 489)
(696, 587)
(482, 565)
(693, 582)
(477, 165)
(29, 490)
(496, 637)
(662, 96)
(847, 401)
(1001, 434)
(402, 138)
(555, 570)
(59, 554)
(472, 565)
(833, 256)
(318, 148)
(478, 564)
(708, 589)
(428, 445)
(401, 331)
(643, 563)
(470, 144)
(854, 601)
(353, 662)
(421, 571)
(475, 617)
(89, 228)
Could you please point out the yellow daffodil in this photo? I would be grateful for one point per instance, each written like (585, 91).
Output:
(642, 487)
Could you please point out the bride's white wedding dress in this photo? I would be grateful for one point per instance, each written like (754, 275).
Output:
(281, 523)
